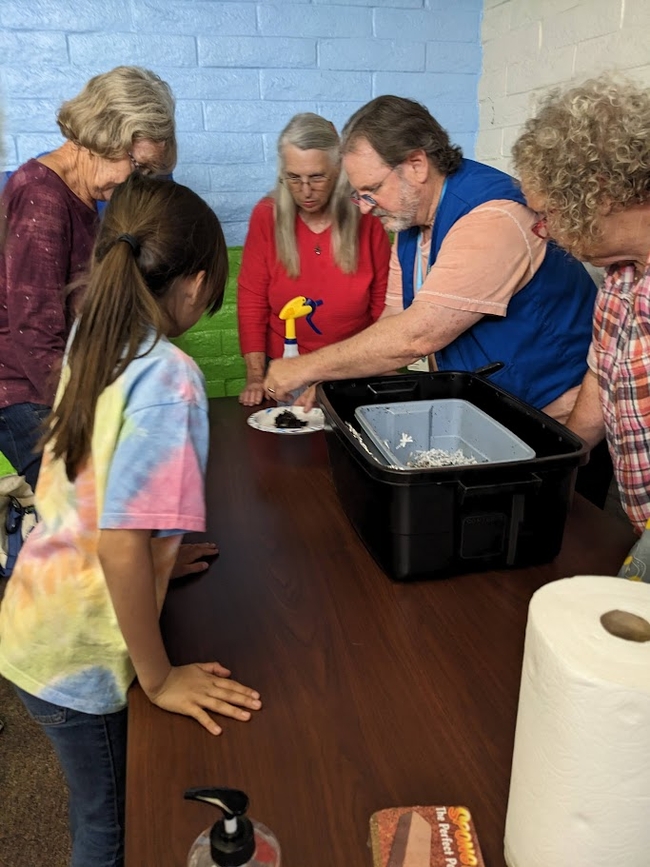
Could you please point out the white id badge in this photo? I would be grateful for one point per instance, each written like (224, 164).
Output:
(421, 365)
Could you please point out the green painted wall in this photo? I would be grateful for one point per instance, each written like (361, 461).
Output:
(214, 341)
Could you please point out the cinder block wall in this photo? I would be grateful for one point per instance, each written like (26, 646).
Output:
(239, 71)
(530, 45)
(214, 342)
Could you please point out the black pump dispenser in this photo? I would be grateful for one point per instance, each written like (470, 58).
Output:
(232, 839)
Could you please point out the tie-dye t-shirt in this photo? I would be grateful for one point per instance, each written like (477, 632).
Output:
(59, 636)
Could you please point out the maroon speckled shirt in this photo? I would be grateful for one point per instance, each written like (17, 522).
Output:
(48, 241)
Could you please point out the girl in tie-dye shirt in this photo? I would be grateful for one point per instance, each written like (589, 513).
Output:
(121, 480)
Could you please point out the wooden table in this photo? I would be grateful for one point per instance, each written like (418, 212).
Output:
(376, 694)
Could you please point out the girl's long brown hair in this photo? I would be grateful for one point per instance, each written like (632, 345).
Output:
(174, 234)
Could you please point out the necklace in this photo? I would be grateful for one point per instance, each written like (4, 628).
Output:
(317, 227)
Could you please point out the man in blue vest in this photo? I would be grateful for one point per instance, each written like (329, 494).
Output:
(472, 278)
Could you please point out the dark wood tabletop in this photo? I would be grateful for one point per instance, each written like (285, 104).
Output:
(376, 694)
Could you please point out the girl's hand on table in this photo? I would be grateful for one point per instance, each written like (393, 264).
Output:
(192, 690)
(253, 394)
(191, 558)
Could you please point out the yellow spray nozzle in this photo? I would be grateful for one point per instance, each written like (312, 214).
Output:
(296, 308)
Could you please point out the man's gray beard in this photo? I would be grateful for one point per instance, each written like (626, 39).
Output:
(399, 222)
(406, 216)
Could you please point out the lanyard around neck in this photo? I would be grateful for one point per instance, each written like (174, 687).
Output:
(419, 278)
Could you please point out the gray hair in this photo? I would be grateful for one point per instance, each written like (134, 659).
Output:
(395, 127)
(308, 131)
(120, 107)
(587, 145)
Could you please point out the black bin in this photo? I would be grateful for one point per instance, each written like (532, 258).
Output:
(428, 523)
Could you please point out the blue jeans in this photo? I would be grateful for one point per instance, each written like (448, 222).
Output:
(19, 432)
(92, 752)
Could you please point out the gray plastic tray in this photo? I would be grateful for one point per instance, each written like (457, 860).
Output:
(400, 430)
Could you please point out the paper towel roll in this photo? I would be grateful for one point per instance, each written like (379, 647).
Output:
(580, 785)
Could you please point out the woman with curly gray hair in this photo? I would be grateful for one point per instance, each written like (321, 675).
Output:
(584, 165)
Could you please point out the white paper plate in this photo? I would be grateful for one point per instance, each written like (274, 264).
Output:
(264, 419)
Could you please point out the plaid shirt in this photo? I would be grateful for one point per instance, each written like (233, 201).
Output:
(620, 357)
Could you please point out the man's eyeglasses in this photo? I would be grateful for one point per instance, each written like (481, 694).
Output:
(139, 167)
(540, 228)
(296, 182)
(357, 198)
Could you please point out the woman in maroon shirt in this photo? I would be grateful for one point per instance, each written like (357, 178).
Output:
(121, 121)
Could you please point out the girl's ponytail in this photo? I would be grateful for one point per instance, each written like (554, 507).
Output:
(153, 233)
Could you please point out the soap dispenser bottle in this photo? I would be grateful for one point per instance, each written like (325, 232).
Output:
(235, 840)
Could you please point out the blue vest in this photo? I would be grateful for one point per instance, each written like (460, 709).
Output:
(544, 339)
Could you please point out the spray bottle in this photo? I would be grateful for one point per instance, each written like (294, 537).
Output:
(235, 840)
(292, 310)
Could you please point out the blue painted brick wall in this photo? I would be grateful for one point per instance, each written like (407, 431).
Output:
(239, 71)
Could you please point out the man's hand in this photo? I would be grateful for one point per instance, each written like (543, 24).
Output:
(284, 376)
(307, 399)
(192, 690)
(191, 558)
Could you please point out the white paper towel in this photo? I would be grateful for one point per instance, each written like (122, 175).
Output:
(580, 785)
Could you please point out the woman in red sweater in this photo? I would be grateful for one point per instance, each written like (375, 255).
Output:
(307, 238)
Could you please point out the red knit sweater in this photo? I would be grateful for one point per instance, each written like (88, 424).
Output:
(351, 302)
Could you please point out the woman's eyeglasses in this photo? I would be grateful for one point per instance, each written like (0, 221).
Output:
(139, 167)
(540, 228)
(358, 198)
(297, 182)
